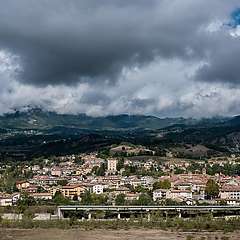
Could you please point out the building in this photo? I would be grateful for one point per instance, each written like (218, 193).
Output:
(230, 192)
(9, 199)
(56, 172)
(21, 185)
(179, 194)
(159, 194)
(31, 189)
(98, 189)
(6, 200)
(35, 168)
(147, 181)
(112, 165)
(71, 191)
(42, 196)
(132, 196)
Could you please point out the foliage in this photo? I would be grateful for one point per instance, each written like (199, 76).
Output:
(79, 161)
(120, 164)
(24, 202)
(88, 198)
(165, 184)
(187, 225)
(40, 189)
(178, 171)
(62, 182)
(212, 189)
(226, 169)
(129, 170)
(144, 199)
(104, 153)
(9, 177)
(120, 199)
(59, 199)
(99, 171)
(139, 189)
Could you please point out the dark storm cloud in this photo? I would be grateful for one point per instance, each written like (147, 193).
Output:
(222, 63)
(62, 42)
(95, 97)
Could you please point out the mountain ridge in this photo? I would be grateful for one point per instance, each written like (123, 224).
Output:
(39, 119)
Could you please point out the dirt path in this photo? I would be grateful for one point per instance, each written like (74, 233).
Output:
(77, 234)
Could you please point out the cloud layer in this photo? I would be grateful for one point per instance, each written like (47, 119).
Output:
(167, 58)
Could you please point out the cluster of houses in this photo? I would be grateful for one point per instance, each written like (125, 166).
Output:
(72, 180)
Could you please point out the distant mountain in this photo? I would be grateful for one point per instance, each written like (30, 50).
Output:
(235, 121)
(43, 120)
(66, 134)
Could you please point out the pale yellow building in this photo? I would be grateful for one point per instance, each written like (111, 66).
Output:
(70, 191)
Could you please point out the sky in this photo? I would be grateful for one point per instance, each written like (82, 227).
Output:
(154, 57)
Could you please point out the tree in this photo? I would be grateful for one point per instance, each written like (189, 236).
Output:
(165, 184)
(212, 189)
(129, 170)
(144, 199)
(98, 199)
(120, 164)
(139, 189)
(62, 182)
(59, 199)
(40, 189)
(120, 199)
(99, 171)
(79, 161)
(75, 198)
(24, 202)
(86, 198)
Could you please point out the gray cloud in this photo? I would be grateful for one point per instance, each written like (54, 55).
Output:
(223, 62)
(161, 57)
(64, 42)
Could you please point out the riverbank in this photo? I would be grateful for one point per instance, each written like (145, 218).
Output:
(131, 234)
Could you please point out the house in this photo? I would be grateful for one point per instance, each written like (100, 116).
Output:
(56, 172)
(71, 191)
(230, 192)
(147, 181)
(135, 181)
(22, 184)
(159, 194)
(132, 196)
(6, 200)
(121, 190)
(35, 168)
(179, 194)
(31, 189)
(45, 180)
(42, 196)
(98, 189)
(15, 197)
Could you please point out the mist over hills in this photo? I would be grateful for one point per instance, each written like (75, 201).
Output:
(43, 120)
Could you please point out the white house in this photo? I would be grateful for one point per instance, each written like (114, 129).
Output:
(42, 196)
(98, 189)
(179, 194)
(5, 201)
(159, 194)
(230, 192)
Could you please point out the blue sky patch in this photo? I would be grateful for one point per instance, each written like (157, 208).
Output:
(235, 18)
